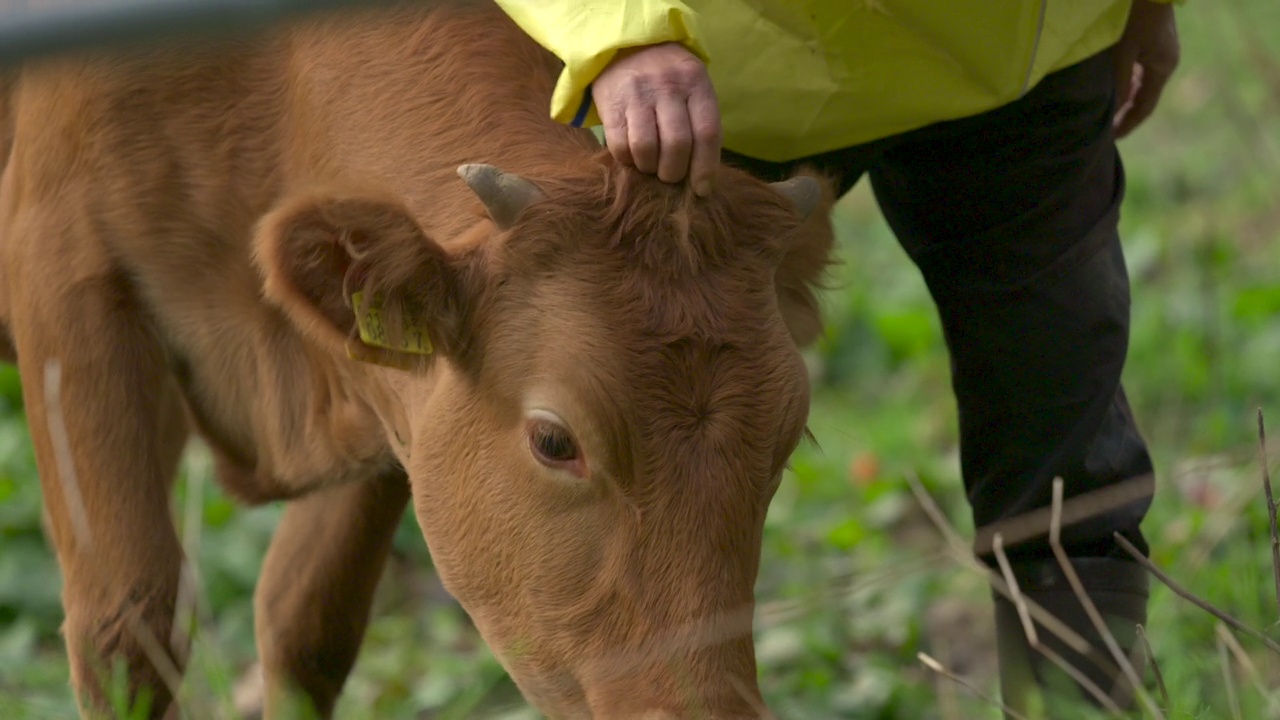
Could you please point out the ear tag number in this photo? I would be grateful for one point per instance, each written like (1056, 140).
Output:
(373, 331)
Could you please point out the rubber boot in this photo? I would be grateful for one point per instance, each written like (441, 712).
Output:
(1118, 588)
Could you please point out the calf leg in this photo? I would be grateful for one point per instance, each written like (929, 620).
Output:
(317, 585)
(107, 428)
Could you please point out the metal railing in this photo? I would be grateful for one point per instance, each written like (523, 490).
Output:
(33, 28)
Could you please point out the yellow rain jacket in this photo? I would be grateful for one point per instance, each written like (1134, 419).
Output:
(799, 77)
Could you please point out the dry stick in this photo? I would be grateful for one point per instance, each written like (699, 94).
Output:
(155, 653)
(188, 579)
(1225, 660)
(1020, 604)
(202, 614)
(1095, 617)
(965, 559)
(937, 667)
(1082, 680)
(961, 555)
(1271, 505)
(934, 512)
(184, 617)
(1137, 656)
(848, 589)
(1191, 597)
(1044, 617)
(1220, 521)
(776, 612)
(1155, 667)
(1224, 517)
(757, 706)
(1051, 623)
(1246, 663)
(64, 463)
(1035, 523)
(948, 701)
(65, 468)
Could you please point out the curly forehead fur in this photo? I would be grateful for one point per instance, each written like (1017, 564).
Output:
(660, 227)
(685, 263)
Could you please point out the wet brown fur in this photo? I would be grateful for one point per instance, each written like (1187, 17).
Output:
(181, 228)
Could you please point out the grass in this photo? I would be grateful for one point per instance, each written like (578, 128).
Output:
(854, 583)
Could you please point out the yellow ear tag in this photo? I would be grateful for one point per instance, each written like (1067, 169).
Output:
(373, 332)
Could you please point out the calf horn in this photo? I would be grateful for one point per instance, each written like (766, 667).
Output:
(505, 196)
(802, 191)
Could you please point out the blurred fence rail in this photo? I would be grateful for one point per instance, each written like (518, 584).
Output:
(34, 28)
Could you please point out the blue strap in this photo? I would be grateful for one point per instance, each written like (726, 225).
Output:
(581, 116)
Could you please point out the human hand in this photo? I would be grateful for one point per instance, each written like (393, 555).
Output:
(1145, 58)
(660, 114)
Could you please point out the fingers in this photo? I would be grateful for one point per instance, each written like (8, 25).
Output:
(660, 114)
(615, 135)
(704, 117)
(1153, 74)
(675, 139)
(1146, 56)
(642, 136)
(1128, 77)
(1144, 101)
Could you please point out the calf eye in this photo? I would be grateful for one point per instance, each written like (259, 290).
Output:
(551, 443)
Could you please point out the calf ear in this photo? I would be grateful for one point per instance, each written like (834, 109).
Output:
(358, 272)
(806, 255)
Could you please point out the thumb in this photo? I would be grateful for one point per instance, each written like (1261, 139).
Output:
(1127, 73)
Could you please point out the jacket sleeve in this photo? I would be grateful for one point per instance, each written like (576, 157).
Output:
(587, 34)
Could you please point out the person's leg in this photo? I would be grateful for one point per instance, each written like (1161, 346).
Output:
(1012, 218)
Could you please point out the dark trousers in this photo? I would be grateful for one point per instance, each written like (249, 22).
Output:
(1011, 217)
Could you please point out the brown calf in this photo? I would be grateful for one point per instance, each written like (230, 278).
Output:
(587, 381)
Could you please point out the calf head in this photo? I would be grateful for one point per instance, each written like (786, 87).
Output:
(612, 391)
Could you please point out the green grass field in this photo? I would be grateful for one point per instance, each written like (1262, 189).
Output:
(854, 581)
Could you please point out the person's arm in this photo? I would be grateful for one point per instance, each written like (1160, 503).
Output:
(638, 68)
(1145, 58)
